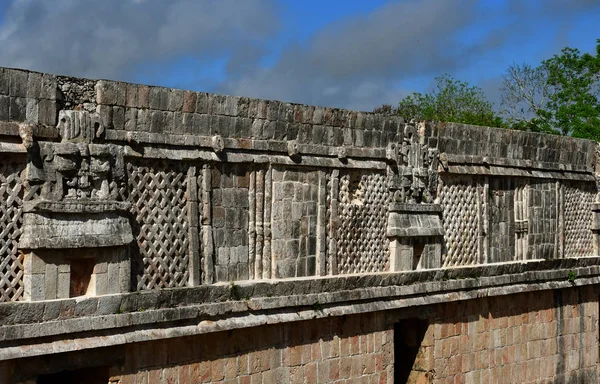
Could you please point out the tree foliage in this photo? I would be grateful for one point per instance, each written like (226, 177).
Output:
(524, 93)
(562, 95)
(451, 100)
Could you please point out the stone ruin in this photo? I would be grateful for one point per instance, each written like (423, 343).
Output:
(132, 213)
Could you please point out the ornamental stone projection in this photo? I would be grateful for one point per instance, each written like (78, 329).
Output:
(152, 235)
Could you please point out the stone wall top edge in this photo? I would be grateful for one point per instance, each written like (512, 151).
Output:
(500, 143)
(169, 110)
(174, 89)
(445, 126)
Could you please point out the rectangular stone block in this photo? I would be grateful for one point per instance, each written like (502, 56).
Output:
(268, 130)
(49, 88)
(4, 108)
(175, 100)
(51, 281)
(113, 278)
(4, 82)
(47, 112)
(34, 85)
(144, 120)
(201, 102)
(131, 95)
(18, 109)
(159, 98)
(143, 100)
(157, 122)
(107, 92)
(18, 83)
(131, 119)
(189, 102)
(118, 117)
(64, 284)
(202, 124)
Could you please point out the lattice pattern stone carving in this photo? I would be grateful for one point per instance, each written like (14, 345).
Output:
(157, 191)
(459, 200)
(578, 219)
(12, 194)
(362, 244)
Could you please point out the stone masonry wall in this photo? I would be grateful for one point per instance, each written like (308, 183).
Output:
(548, 336)
(226, 188)
(258, 241)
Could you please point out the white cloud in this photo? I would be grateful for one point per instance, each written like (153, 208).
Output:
(111, 38)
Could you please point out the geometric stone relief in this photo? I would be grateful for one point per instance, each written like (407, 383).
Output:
(461, 205)
(12, 193)
(260, 206)
(157, 192)
(578, 235)
(362, 242)
(522, 199)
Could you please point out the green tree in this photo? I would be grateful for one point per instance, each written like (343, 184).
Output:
(562, 95)
(451, 100)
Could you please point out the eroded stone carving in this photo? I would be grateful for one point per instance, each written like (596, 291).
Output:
(414, 222)
(80, 184)
(79, 125)
(415, 179)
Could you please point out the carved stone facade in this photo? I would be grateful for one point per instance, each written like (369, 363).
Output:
(202, 188)
(256, 212)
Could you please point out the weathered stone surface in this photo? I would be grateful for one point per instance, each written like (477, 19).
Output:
(72, 230)
(169, 191)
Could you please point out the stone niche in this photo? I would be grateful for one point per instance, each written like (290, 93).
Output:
(416, 236)
(75, 248)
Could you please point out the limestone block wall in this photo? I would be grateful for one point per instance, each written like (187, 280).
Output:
(221, 188)
(536, 337)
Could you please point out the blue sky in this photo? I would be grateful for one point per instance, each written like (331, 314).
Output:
(341, 53)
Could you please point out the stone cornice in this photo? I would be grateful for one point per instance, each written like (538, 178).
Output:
(37, 328)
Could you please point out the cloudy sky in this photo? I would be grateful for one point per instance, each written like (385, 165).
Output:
(341, 53)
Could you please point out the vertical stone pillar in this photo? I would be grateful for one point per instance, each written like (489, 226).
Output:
(207, 237)
(193, 221)
(401, 254)
(252, 225)
(486, 220)
(333, 222)
(267, 219)
(260, 203)
(322, 225)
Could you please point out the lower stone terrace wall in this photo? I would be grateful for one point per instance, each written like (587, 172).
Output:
(538, 337)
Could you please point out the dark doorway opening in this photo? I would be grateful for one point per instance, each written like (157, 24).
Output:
(408, 337)
(81, 275)
(96, 375)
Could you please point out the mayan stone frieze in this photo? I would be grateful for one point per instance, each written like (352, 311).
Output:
(362, 245)
(12, 193)
(460, 199)
(578, 198)
(157, 192)
(202, 189)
